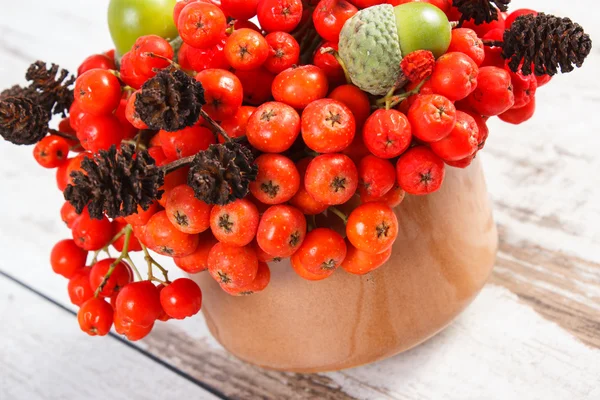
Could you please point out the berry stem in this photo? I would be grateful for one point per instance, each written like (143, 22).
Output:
(112, 241)
(215, 127)
(393, 101)
(152, 262)
(333, 52)
(339, 213)
(175, 165)
(124, 254)
(63, 135)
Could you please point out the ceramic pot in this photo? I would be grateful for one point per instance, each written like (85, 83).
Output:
(442, 258)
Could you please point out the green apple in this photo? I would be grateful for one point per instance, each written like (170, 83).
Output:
(422, 26)
(130, 19)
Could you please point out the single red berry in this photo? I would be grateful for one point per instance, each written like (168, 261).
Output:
(62, 177)
(128, 73)
(465, 40)
(232, 266)
(517, 116)
(387, 133)
(262, 255)
(376, 176)
(462, 142)
(257, 85)
(172, 180)
(483, 130)
(208, 58)
(51, 152)
(273, 127)
(201, 24)
(198, 260)
(99, 132)
(281, 231)
(360, 262)
(322, 251)
(420, 171)
(240, 9)
(300, 86)
(164, 317)
(167, 240)
(331, 179)
(328, 126)
(542, 80)
(393, 198)
(235, 223)
(95, 317)
(236, 125)
(132, 115)
(67, 258)
(372, 227)
(68, 214)
(186, 212)
(284, 52)
(98, 92)
(91, 234)
(260, 283)
(179, 6)
(76, 114)
(181, 299)
(432, 117)
(151, 53)
(299, 268)
(139, 303)
(302, 200)
(132, 332)
(186, 142)
(246, 49)
(96, 61)
(279, 15)
(129, 131)
(278, 179)
(324, 59)
(79, 287)
(141, 217)
(524, 88)
(120, 277)
(494, 95)
(356, 100)
(455, 76)
(330, 16)
(222, 91)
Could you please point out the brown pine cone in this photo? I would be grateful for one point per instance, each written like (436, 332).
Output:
(22, 120)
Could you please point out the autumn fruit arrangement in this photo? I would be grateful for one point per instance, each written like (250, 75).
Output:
(222, 143)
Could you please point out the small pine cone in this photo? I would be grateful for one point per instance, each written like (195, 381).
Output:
(16, 91)
(115, 183)
(546, 42)
(223, 173)
(53, 86)
(480, 11)
(418, 65)
(170, 101)
(22, 121)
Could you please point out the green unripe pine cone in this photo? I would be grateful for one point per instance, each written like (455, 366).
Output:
(130, 19)
(373, 42)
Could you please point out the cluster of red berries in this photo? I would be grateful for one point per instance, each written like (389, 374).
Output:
(324, 148)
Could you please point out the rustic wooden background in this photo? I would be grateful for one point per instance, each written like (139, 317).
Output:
(533, 333)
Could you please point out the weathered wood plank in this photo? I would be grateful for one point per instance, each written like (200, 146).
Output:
(45, 357)
(546, 198)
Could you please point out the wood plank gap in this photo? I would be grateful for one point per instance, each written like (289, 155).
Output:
(125, 342)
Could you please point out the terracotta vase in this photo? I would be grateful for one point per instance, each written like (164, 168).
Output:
(443, 256)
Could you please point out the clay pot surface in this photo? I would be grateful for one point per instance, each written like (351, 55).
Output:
(442, 258)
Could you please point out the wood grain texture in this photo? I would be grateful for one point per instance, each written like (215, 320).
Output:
(532, 333)
(43, 360)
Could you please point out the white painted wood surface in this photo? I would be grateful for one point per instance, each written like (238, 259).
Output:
(533, 333)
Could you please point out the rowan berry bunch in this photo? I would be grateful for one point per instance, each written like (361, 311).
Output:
(235, 146)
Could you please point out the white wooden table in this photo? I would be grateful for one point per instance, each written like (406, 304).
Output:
(533, 333)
